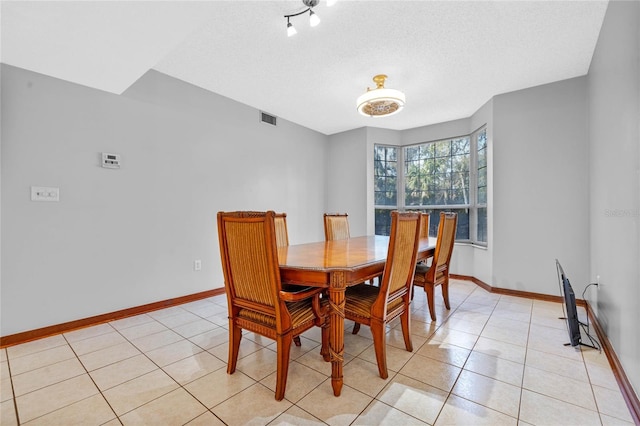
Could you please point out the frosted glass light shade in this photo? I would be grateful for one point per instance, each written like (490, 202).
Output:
(381, 102)
(313, 19)
(291, 30)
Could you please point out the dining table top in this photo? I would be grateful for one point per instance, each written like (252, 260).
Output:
(344, 254)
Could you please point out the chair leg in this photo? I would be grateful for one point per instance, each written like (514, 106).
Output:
(445, 291)
(405, 322)
(356, 328)
(284, 349)
(324, 349)
(235, 335)
(428, 288)
(296, 340)
(380, 346)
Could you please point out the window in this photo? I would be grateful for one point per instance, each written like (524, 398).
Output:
(385, 186)
(444, 175)
(481, 193)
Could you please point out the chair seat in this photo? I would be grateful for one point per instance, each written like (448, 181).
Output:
(301, 313)
(360, 298)
(421, 275)
(421, 269)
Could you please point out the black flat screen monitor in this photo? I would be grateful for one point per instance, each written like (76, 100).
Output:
(570, 303)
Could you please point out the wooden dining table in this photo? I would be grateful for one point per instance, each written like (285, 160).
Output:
(337, 265)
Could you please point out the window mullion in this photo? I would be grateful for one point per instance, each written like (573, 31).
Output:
(400, 180)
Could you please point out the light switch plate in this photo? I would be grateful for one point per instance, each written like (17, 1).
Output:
(45, 193)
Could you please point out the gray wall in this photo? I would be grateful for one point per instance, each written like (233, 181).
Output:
(124, 238)
(540, 187)
(614, 178)
(347, 177)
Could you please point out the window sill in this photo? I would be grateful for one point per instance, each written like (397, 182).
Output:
(470, 244)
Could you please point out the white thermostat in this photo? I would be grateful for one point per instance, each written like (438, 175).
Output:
(111, 161)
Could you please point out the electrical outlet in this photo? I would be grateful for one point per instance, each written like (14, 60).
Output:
(197, 265)
(598, 280)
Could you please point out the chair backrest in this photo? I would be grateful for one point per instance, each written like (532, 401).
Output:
(250, 260)
(282, 235)
(401, 256)
(444, 244)
(424, 225)
(336, 226)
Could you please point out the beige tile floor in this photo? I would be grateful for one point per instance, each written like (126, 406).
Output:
(489, 360)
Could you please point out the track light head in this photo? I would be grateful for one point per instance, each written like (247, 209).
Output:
(291, 30)
(313, 18)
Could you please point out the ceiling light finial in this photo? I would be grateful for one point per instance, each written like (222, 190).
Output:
(380, 102)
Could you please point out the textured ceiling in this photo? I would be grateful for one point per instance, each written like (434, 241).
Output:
(449, 57)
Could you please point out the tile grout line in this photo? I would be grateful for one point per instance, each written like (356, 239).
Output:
(180, 386)
(465, 362)
(13, 391)
(524, 364)
(554, 398)
(92, 381)
(593, 393)
(493, 378)
(159, 368)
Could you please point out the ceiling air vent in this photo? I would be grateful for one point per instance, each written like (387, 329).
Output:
(268, 118)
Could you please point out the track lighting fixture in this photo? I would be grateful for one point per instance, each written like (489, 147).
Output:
(314, 20)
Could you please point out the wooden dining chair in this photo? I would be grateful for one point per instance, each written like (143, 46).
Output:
(256, 299)
(437, 274)
(424, 225)
(424, 232)
(336, 226)
(282, 240)
(376, 306)
(282, 234)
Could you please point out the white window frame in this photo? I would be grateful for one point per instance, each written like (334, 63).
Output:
(477, 204)
(473, 204)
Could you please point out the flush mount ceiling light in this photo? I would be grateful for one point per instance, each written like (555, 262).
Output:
(380, 102)
(314, 20)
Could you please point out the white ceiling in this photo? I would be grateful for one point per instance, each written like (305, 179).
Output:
(449, 57)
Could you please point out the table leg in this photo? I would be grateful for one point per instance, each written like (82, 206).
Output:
(336, 328)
